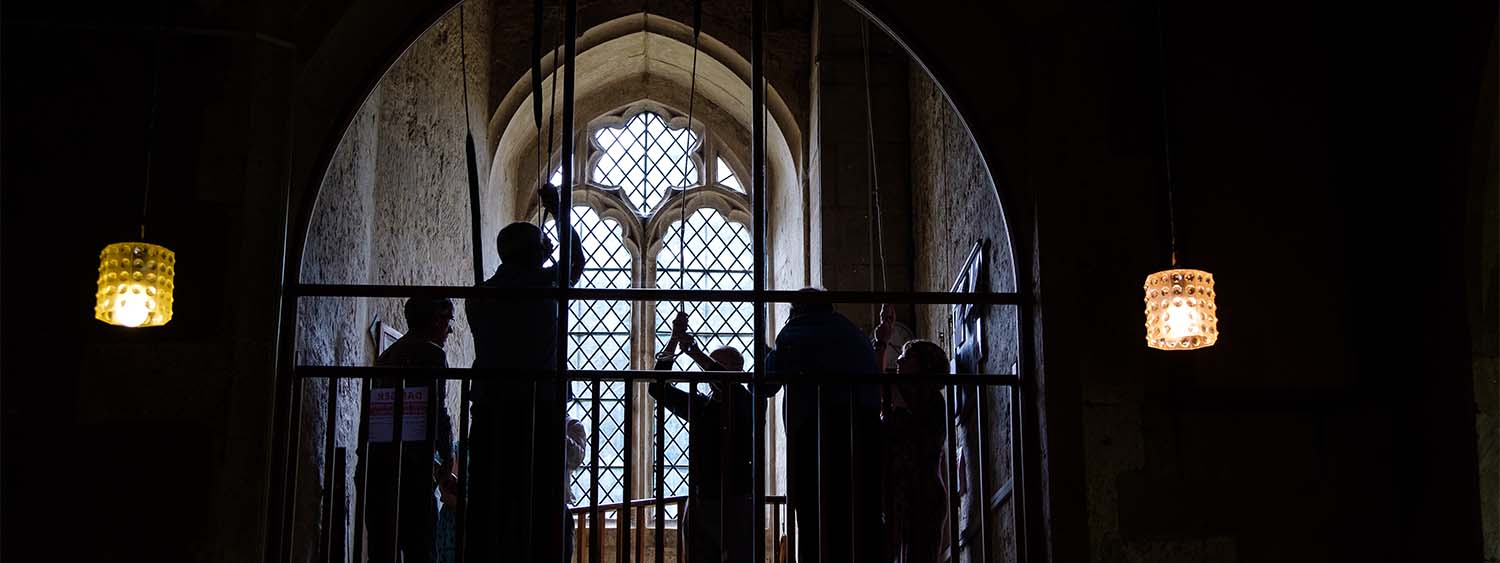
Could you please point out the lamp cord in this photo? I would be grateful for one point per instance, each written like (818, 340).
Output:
(1166, 127)
(151, 113)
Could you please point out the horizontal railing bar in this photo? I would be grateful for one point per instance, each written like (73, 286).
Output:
(774, 500)
(705, 333)
(489, 374)
(649, 294)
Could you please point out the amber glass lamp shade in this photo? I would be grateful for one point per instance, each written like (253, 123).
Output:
(1180, 310)
(135, 285)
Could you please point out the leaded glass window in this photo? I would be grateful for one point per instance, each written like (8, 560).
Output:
(715, 254)
(643, 162)
(646, 159)
(726, 176)
(599, 336)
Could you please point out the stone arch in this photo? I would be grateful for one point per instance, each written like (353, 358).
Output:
(634, 59)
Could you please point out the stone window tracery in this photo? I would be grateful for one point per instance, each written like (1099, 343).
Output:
(643, 174)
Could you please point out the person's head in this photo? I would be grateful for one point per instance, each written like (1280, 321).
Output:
(729, 357)
(429, 318)
(523, 244)
(922, 357)
(800, 309)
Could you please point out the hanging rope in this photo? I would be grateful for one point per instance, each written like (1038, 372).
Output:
(473, 160)
(537, 24)
(687, 158)
(552, 105)
(864, 37)
(542, 162)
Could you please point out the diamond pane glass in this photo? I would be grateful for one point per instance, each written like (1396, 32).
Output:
(718, 256)
(647, 159)
(599, 336)
(726, 176)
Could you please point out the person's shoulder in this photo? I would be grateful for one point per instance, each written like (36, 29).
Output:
(411, 352)
(430, 354)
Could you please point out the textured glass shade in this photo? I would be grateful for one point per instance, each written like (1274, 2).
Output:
(135, 285)
(1180, 310)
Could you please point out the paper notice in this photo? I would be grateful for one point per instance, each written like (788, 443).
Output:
(383, 412)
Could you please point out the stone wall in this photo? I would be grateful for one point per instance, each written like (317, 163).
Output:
(954, 205)
(393, 209)
(849, 245)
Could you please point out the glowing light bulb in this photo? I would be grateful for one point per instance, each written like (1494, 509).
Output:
(132, 307)
(1180, 321)
(135, 285)
(1180, 310)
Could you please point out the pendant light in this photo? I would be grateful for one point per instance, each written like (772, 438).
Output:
(136, 278)
(1180, 309)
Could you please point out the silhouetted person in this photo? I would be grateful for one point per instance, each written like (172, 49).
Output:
(720, 450)
(914, 431)
(575, 445)
(838, 462)
(516, 460)
(428, 324)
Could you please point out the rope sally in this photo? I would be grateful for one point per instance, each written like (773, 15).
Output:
(473, 161)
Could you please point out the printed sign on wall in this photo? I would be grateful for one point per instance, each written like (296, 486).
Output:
(413, 414)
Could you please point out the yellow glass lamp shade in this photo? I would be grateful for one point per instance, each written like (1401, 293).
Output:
(1180, 310)
(135, 285)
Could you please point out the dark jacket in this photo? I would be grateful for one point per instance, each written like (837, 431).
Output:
(412, 352)
(716, 422)
(822, 343)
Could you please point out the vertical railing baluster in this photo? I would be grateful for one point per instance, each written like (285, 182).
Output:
(981, 397)
(595, 551)
(361, 472)
(1017, 502)
(758, 209)
(337, 549)
(461, 502)
(661, 464)
(852, 491)
(681, 552)
(622, 544)
(727, 470)
(565, 253)
(330, 445)
(775, 533)
(682, 517)
(950, 406)
(791, 466)
(398, 442)
(821, 531)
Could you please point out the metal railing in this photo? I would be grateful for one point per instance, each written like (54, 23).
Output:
(632, 526)
(631, 513)
(287, 455)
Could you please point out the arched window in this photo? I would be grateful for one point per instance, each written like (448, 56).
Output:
(642, 174)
